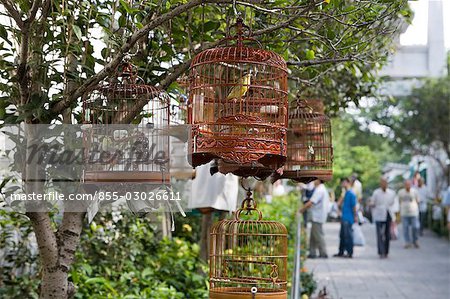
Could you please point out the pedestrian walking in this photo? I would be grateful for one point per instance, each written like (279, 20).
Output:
(319, 205)
(382, 202)
(424, 197)
(409, 212)
(349, 216)
(309, 190)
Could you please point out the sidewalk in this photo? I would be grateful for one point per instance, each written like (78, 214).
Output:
(407, 274)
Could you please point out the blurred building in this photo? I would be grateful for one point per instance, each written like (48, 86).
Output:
(412, 63)
(406, 69)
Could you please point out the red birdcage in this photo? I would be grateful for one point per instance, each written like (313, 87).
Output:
(238, 106)
(310, 149)
(248, 258)
(124, 121)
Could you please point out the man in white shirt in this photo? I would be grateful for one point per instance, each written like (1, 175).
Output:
(319, 205)
(409, 211)
(382, 201)
(424, 196)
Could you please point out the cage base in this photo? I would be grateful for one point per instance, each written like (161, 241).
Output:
(304, 176)
(260, 169)
(260, 172)
(244, 293)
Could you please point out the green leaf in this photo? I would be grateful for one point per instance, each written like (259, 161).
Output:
(126, 6)
(211, 25)
(77, 31)
(310, 55)
(122, 21)
(4, 33)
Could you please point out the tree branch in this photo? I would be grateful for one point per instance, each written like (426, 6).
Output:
(45, 9)
(136, 36)
(183, 67)
(13, 12)
(66, 102)
(278, 26)
(22, 69)
(68, 237)
(256, 7)
(33, 11)
(321, 61)
(45, 237)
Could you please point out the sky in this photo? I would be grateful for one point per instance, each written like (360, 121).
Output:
(416, 34)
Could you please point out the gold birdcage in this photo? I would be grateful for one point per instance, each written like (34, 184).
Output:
(310, 149)
(123, 124)
(248, 258)
(238, 105)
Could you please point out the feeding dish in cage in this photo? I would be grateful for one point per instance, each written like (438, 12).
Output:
(124, 141)
(248, 258)
(238, 105)
(310, 149)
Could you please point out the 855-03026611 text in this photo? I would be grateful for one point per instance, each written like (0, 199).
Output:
(98, 195)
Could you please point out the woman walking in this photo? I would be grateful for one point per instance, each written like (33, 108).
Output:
(409, 210)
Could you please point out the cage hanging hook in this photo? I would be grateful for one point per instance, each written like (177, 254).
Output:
(302, 103)
(245, 187)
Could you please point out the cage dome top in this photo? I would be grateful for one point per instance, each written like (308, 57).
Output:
(126, 82)
(240, 52)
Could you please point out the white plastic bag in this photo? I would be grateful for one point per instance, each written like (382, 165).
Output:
(361, 219)
(393, 231)
(358, 237)
(436, 213)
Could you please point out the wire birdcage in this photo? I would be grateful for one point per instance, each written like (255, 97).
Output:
(248, 258)
(310, 149)
(238, 104)
(124, 120)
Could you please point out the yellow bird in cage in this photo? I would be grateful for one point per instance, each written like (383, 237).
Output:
(241, 88)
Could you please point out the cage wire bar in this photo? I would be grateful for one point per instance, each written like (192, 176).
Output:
(123, 130)
(238, 105)
(310, 149)
(248, 258)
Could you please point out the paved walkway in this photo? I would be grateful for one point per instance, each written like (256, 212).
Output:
(407, 274)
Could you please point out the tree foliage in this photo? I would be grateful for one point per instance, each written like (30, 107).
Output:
(359, 151)
(53, 51)
(120, 256)
(419, 122)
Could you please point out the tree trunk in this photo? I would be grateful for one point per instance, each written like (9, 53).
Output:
(204, 239)
(54, 284)
(56, 250)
